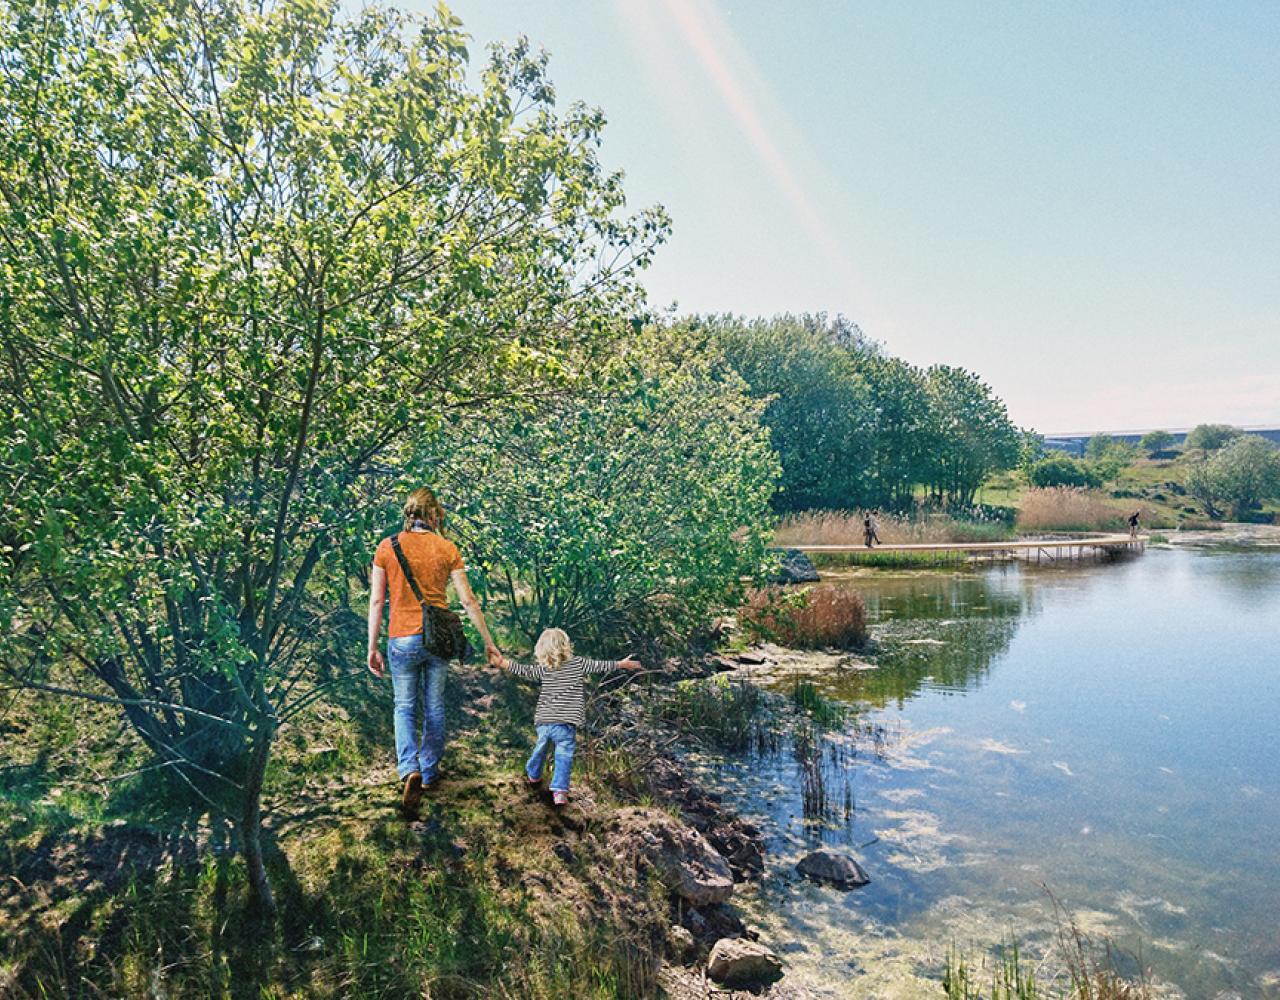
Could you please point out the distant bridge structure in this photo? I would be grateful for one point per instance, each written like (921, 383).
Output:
(1051, 550)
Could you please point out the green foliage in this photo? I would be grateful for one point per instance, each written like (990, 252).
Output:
(971, 436)
(1108, 457)
(854, 427)
(824, 711)
(1156, 443)
(1237, 478)
(629, 509)
(252, 252)
(1007, 979)
(903, 430)
(818, 409)
(1031, 449)
(1211, 437)
(1060, 469)
(715, 710)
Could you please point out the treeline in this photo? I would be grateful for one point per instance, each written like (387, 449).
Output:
(854, 426)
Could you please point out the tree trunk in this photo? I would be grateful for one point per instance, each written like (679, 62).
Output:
(251, 823)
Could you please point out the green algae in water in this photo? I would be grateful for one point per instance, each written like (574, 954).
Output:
(1108, 733)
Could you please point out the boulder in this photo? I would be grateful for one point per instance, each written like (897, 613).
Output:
(829, 866)
(737, 962)
(681, 942)
(796, 568)
(685, 862)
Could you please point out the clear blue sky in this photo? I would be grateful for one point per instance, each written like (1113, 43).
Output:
(1080, 201)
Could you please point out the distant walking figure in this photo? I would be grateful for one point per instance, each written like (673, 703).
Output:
(1133, 523)
(415, 567)
(870, 532)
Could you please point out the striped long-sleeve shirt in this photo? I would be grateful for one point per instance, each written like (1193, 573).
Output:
(561, 700)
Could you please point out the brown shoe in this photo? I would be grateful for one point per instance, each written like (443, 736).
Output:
(411, 797)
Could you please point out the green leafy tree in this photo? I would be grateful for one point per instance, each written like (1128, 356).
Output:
(1107, 457)
(1099, 446)
(1211, 437)
(252, 252)
(819, 410)
(1156, 443)
(972, 436)
(629, 510)
(901, 430)
(1060, 469)
(1238, 477)
(1031, 449)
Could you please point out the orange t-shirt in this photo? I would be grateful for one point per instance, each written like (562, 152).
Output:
(432, 558)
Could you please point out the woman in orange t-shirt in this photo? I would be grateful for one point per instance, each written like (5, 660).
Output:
(417, 677)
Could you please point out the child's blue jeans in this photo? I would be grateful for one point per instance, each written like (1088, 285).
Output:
(565, 740)
(417, 682)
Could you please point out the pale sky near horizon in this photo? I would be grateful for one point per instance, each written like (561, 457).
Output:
(1078, 201)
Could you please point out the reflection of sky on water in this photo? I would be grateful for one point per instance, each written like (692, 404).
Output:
(1109, 732)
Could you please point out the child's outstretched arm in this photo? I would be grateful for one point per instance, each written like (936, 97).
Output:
(604, 666)
(529, 671)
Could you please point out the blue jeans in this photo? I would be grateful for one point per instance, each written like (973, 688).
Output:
(417, 681)
(565, 740)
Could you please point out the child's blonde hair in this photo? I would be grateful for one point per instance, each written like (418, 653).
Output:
(553, 648)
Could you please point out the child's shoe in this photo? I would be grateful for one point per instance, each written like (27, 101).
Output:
(560, 798)
(532, 782)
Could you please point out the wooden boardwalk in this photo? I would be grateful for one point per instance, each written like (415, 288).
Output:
(1051, 549)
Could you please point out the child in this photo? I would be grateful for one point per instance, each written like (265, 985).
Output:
(560, 704)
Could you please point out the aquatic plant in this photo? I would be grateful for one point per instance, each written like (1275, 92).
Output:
(716, 711)
(824, 615)
(822, 710)
(1090, 971)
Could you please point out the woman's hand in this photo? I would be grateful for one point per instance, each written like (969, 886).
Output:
(377, 666)
(495, 657)
(630, 663)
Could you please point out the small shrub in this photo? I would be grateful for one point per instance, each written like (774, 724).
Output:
(1059, 469)
(1067, 508)
(811, 618)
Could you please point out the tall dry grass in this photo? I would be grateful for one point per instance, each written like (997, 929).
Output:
(844, 527)
(816, 617)
(1069, 508)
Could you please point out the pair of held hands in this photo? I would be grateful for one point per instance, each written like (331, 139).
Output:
(496, 659)
(378, 666)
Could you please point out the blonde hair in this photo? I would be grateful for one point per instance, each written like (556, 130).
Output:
(422, 505)
(553, 648)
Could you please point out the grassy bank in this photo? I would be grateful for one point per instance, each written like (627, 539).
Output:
(493, 894)
(1156, 486)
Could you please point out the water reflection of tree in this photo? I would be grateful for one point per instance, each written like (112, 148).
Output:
(946, 629)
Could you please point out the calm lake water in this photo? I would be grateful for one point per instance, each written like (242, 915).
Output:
(1107, 734)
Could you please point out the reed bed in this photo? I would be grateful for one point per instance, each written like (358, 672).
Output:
(845, 527)
(817, 617)
(1068, 508)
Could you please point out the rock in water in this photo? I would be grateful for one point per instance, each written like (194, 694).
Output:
(738, 962)
(838, 869)
(796, 568)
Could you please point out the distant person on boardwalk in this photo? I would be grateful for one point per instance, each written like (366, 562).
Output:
(415, 567)
(561, 705)
(870, 534)
(1133, 523)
